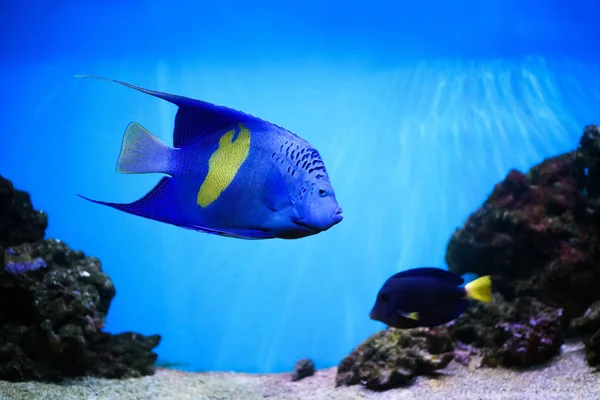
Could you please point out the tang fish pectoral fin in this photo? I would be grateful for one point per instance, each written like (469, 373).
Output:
(142, 152)
(224, 164)
(412, 315)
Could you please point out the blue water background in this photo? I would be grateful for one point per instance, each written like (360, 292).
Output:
(418, 109)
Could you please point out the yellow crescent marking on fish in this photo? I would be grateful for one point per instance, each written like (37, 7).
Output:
(223, 165)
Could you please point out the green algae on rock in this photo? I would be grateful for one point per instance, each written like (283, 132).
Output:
(393, 357)
(53, 305)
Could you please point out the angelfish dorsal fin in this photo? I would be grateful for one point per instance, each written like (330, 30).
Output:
(198, 118)
(194, 117)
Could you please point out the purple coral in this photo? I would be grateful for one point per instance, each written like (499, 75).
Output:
(534, 342)
(17, 268)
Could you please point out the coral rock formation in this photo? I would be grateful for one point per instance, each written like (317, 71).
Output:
(521, 333)
(53, 305)
(537, 233)
(538, 236)
(393, 357)
(19, 222)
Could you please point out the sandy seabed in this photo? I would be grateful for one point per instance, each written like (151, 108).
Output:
(566, 377)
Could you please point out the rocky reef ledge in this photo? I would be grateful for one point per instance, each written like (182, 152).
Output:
(53, 306)
(538, 236)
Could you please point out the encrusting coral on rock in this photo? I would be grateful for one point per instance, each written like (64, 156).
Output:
(393, 357)
(512, 334)
(538, 236)
(53, 305)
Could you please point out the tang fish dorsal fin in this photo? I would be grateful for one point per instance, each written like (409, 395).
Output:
(430, 272)
(194, 117)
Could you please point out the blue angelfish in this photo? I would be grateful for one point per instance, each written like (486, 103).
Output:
(229, 174)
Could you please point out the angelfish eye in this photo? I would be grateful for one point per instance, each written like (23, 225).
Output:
(322, 191)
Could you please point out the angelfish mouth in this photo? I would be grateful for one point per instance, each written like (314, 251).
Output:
(337, 216)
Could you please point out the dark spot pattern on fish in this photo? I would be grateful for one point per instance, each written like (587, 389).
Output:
(295, 157)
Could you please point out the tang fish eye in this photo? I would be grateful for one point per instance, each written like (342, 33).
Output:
(384, 297)
(322, 191)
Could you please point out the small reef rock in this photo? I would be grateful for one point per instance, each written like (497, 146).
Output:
(588, 325)
(538, 236)
(303, 369)
(393, 357)
(53, 306)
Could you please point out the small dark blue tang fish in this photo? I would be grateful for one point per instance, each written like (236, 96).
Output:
(229, 174)
(426, 297)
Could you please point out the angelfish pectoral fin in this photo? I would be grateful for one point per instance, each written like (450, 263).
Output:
(275, 194)
(224, 165)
